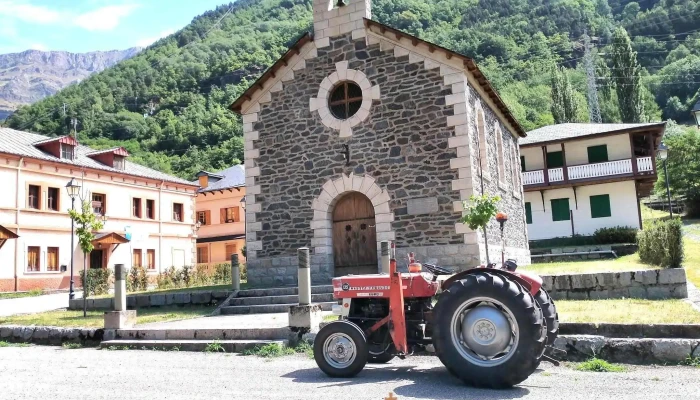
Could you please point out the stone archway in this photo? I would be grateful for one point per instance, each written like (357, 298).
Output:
(331, 193)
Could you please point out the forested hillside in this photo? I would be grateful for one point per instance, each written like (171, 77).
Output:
(168, 105)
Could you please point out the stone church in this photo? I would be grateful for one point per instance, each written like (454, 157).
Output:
(362, 133)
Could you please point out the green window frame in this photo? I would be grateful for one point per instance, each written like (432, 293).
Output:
(528, 212)
(560, 209)
(522, 163)
(600, 206)
(598, 154)
(555, 159)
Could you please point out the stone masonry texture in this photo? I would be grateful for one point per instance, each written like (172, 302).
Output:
(403, 145)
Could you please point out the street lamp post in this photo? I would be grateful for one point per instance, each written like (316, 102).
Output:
(73, 189)
(696, 113)
(245, 225)
(663, 155)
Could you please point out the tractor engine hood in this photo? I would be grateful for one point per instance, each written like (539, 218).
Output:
(415, 285)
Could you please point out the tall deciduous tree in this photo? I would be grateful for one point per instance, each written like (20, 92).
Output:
(626, 75)
(564, 105)
(683, 166)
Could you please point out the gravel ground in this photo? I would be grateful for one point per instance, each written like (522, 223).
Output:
(56, 373)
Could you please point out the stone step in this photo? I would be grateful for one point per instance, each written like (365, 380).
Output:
(283, 291)
(203, 334)
(231, 346)
(269, 308)
(290, 299)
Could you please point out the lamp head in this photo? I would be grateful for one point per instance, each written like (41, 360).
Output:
(73, 188)
(663, 151)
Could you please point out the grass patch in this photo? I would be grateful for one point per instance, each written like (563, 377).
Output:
(691, 263)
(214, 347)
(625, 263)
(649, 214)
(18, 295)
(598, 365)
(95, 319)
(330, 318)
(11, 344)
(628, 311)
(691, 362)
(274, 350)
(69, 345)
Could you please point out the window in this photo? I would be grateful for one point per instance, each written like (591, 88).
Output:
(33, 197)
(202, 217)
(99, 203)
(560, 210)
(528, 212)
(52, 259)
(202, 255)
(150, 209)
(522, 163)
(483, 147)
(345, 100)
(52, 200)
(33, 254)
(136, 258)
(597, 154)
(119, 163)
(230, 250)
(600, 206)
(229, 215)
(555, 159)
(66, 151)
(499, 155)
(136, 207)
(177, 212)
(151, 259)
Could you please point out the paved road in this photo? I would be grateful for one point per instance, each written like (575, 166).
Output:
(55, 373)
(30, 305)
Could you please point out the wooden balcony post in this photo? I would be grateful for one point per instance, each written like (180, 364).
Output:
(545, 171)
(565, 169)
(652, 149)
(634, 155)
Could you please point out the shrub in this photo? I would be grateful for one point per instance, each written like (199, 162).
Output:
(661, 243)
(137, 279)
(222, 273)
(97, 281)
(244, 272)
(618, 234)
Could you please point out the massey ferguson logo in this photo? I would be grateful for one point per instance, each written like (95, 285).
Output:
(346, 286)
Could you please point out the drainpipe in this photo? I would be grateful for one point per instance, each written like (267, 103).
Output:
(160, 227)
(17, 200)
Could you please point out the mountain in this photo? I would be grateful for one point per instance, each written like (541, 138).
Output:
(168, 104)
(32, 75)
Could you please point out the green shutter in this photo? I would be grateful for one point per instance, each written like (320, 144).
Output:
(598, 154)
(528, 212)
(600, 206)
(560, 210)
(555, 159)
(522, 163)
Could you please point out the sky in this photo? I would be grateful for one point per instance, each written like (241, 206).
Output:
(90, 25)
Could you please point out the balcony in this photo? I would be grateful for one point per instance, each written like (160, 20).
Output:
(645, 166)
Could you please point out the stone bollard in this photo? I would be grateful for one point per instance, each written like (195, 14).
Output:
(235, 273)
(305, 317)
(120, 318)
(386, 258)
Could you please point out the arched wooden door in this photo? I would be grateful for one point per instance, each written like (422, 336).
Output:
(354, 236)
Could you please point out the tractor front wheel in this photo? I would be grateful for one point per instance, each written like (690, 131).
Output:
(488, 330)
(340, 349)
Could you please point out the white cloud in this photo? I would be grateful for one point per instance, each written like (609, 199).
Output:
(104, 18)
(38, 46)
(145, 42)
(29, 13)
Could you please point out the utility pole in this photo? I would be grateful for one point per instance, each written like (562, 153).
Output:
(64, 110)
(74, 124)
(593, 105)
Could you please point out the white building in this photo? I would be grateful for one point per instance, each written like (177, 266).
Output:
(150, 215)
(581, 177)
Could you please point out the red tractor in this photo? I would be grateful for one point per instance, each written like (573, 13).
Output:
(489, 326)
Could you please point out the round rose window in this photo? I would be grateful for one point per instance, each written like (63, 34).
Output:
(345, 100)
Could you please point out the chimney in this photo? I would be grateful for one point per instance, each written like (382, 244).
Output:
(203, 181)
(334, 18)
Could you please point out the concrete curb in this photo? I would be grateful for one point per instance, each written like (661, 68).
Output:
(51, 335)
(642, 331)
(628, 351)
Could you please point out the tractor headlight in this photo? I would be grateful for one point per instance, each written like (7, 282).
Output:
(337, 309)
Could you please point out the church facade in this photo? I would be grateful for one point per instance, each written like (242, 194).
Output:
(361, 133)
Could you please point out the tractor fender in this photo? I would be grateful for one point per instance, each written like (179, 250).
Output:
(531, 282)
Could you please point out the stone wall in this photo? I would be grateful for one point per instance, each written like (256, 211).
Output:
(50, 335)
(198, 298)
(651, 284)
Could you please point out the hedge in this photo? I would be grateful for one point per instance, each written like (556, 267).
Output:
(661, 243)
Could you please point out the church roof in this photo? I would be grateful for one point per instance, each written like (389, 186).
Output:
(468, 63)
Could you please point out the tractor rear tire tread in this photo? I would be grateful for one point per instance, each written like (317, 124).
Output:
(549, 312)
(526, 312)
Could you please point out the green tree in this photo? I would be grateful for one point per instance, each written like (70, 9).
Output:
(564, 104)
(683, 166)
(87, 223)
(478, 212)
(627, 76)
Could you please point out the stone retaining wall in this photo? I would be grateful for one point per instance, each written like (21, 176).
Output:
(663, 331)
(628, 351)
(200, 298)
(51, 335)
(651, 284)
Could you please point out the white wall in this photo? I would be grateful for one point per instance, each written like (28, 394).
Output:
(533, 158)
(577, 151)
(623, 207)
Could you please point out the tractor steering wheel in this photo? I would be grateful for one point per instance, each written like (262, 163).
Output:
(435, 270)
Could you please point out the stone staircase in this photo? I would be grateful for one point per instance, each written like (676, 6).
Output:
(230, 340)
(276, 300)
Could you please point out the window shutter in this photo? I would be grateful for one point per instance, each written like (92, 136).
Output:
(597, 154)
(223, 216)
(207, 217)
(560, 210)
(555, 159)
(600, 206)
(236, 214)
(522, 163)
(528, 212)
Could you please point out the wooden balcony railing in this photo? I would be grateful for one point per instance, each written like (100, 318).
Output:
(588, 171)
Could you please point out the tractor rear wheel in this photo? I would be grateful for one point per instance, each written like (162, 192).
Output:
(340, 349)
(488, 330)
(550, 315)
